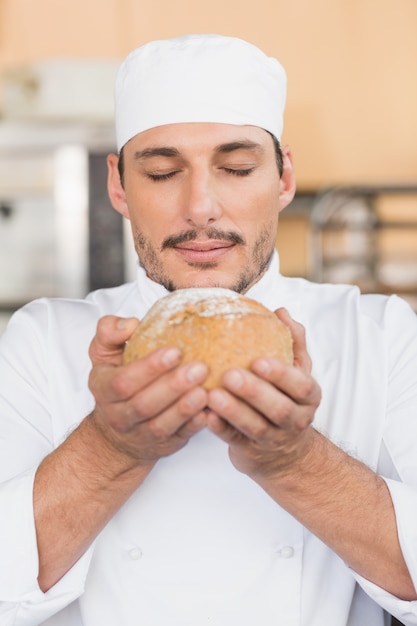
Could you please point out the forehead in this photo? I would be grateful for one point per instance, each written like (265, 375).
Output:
(196, 136)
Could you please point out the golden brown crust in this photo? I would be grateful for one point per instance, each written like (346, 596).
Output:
(217, 326)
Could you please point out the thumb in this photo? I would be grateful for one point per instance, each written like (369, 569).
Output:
(301, 356)
(111, 335)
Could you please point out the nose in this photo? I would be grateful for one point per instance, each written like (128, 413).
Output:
(201, 205)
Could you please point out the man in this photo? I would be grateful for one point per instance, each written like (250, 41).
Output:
(129, 494)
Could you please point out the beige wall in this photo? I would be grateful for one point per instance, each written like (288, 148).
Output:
(352, 66)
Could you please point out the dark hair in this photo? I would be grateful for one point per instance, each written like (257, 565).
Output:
(121, 166)
(278, 155)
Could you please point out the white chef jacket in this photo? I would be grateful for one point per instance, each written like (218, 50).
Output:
(199, 542)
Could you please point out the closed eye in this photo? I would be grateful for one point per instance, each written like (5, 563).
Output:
(161, 177)
(239, 172)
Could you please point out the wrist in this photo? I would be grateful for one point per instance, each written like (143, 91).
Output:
(113, 459)
(292, 465)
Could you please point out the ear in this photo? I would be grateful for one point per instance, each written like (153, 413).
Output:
(287, 187)
(115, 189)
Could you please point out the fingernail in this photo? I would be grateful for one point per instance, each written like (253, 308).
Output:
(170, 356)
(124, 322)
(235, 379)
(196, 372)
(219, 399)
(263, 367)
(194, 401)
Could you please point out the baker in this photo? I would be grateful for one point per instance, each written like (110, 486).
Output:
(131, 494)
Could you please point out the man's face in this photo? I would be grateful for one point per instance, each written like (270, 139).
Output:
(203, 200)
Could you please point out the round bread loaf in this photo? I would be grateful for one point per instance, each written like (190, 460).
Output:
(215, 325)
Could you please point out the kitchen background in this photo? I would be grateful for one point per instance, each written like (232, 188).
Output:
(351, 121)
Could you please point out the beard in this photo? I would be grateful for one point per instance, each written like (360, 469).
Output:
(257, 263)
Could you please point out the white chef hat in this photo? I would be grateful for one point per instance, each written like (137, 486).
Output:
(198, 78)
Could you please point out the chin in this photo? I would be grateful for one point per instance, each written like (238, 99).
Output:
(203, 282)
(239, 283)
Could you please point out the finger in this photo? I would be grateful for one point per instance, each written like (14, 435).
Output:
(157, 436)
(116, 384)
(169, 390)
(111, 335)
(165, 433)
(221, 428)
(301, 356)
(183, 419)
(294, 382)
(176, 393)
(240, 418)
(253, 405)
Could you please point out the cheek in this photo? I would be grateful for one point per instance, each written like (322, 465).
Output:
(259, 208)
(150, 209)
(147, 232)
(262, 191)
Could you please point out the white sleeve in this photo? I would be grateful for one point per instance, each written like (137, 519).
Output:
(21, 600)
(399, 467)
(25, 439)
(405, 503)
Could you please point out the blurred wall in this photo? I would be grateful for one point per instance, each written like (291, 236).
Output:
(352, 67)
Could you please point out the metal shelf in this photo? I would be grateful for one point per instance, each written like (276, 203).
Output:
(359, 237)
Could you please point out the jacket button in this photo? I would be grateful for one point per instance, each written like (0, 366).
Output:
(286, 552)
(135, 553)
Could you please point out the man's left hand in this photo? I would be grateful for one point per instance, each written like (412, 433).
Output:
(265, 414)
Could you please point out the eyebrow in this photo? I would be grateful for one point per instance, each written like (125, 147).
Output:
(225, 148)
(149, 153)
(244, 144)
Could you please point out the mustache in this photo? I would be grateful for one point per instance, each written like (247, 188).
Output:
(192, 235)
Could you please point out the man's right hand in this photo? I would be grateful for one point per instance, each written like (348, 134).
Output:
(149, 408)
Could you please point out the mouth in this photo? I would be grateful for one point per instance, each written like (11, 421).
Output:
(208, 250)
(203, 251)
